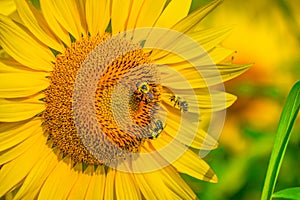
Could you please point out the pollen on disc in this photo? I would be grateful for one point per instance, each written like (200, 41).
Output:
(58, 120)
(133, 110)
(94, 105)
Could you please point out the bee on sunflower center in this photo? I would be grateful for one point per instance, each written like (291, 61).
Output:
(143, 90)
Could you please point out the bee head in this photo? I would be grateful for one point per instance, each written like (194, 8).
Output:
(143, 87)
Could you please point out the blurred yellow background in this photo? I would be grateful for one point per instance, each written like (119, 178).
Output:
(266, 33)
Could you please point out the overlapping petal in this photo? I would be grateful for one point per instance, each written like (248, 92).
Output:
(37, 176)
(97, 15)
(14, 85)
(36, 23)
(23, 47)
(175, 11)
(15, 171)
(57, 188)
(7, 7)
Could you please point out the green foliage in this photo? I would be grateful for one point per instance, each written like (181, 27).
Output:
(287, 119)
(198, 3)
(36, 3)
(290, 193)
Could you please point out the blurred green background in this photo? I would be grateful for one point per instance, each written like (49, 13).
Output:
(266, 33)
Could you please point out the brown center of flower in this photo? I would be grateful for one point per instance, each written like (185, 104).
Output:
(109, 107)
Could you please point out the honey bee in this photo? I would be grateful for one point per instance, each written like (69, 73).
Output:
(156, 131)
(183, 105)
(144, 90)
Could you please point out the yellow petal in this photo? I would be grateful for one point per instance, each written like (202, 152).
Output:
(150, 12)
(14, 85)
(81, 5)
(198, 100)
(67, 14)
(173, 13)
(196, 139)
(126, 187)
(97, 184)
(16, 132)
(7, 7)
(97, 15)
(50, 17)
(204, 40)
(219, 54)
(200, 76)
(22, 47)
(110, 184)
(151, 185)
(36, 177)
(19, 112)
(36, 23)
(36, 98)
(15, 171)
(60, 181)
(11, 66)
(14, 110)
(163, 184)
(191, 164)
(119, 15)
(213, 102)
(19, 149)
(210, 38)
(229, 71)
(134, 15)
(183, 159)
(16, 17)
(195, 17)
(176, 183)
(188, 129)
(82, 184)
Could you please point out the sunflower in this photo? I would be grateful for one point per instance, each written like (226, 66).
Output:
(7, 7)
(102, 101)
